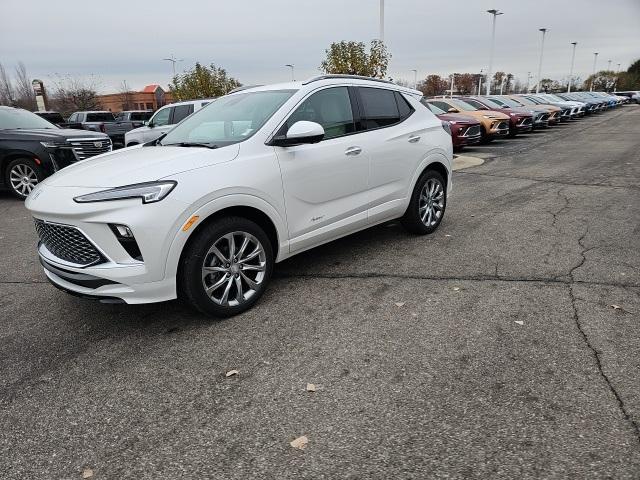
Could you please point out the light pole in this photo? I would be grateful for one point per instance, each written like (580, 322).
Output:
(544, 32)
(615, 85)
(595, 60)
(415, 79)
(495, 13)
(382, 21)
(529, 77)
(502, 84)
(173, 61)
(291, 66)
(608, 65)
(453, 76)
(480, 82)
(573, 58)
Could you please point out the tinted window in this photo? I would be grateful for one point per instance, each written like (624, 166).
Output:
(403, 106)
(141, 116)
(331, 108)
(161, 117)
(379, 107)
(181, 112)
(100, 117)
(52, 117)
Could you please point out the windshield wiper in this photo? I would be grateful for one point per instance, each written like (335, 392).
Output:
(191, 144)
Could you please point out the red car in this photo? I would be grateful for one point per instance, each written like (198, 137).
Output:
(465, 130)
(519, 121)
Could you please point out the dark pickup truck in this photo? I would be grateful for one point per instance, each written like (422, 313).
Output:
(104, 122)
(57, 119)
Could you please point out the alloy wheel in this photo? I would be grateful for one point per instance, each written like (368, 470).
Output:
(431, 204)
(23, 179)
(234, 269)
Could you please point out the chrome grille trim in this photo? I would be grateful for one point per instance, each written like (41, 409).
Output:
(68, 243)
(472, 131)
(84, 148)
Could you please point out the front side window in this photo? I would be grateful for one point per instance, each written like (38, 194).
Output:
(379, 107)
(476, 104)
(331, 108)
(464, 106)
(229, 119)
(100, 117)
(441, 105)
(161, 118)
(435, 110)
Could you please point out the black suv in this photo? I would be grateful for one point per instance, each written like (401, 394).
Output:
(31, 149)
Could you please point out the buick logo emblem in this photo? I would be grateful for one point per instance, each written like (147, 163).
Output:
(97, 144)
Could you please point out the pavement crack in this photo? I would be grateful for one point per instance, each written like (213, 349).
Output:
(596, 355)
(550, 180)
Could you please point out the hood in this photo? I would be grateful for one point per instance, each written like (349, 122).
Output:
(44, 134)
(458, 118)
(138, 164)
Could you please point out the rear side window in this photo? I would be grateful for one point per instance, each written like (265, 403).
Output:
(100, 117)
(141, 116)
(379, 107)
(403, 106)
(181, 112)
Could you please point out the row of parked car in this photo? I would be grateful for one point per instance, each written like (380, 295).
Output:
(482, 118)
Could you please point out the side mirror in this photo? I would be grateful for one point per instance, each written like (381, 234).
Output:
(300, 133)
(149, 123)
(453, 110)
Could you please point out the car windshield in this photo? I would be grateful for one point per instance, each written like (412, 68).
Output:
(525, 101)
(229, 119)
(509, 102)
(11, 118)
(493, 103)
(435, 110)
(460, 105)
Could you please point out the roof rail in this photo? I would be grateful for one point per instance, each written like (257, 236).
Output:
(357, 77)
(244, 87)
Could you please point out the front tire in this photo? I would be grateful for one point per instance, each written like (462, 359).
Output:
(226, 267)
(427, 205)
(22, 175)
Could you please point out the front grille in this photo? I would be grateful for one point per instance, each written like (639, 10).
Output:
(90, 147)
(525, 121)
(543, 117)
(67, 243)
(472, 131)
(502, 126)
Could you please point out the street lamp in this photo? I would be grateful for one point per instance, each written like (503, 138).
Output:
(480, 82)
(291, 66)
(529, 77)
(495, 13)
(173, 61)
(415, 79)
(382, 21)
(608, 65)
(595, 59)
(544, 32)
(573, 57)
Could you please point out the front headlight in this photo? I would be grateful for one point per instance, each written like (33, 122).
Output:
(149, 192)
(487, 116)
(54, 144)
(512, 114)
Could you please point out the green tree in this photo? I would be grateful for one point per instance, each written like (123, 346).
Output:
(202, 82)
(351, 58)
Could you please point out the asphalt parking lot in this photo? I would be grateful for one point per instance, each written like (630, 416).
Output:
(505, 345)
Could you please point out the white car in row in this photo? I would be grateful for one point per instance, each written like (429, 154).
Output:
(255, 177)
(163, 120)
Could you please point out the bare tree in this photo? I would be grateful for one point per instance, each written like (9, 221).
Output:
(7, 92)
(72, 94)
(25, 97)
(126, 96)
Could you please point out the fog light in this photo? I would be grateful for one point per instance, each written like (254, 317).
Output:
(124, 231)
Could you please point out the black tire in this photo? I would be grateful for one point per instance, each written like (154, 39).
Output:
(23, 169)
(412, 219)
(191, 279)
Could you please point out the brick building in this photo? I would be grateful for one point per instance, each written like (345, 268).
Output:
(150, 97)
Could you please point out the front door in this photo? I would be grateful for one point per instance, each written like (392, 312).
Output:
(325, 184)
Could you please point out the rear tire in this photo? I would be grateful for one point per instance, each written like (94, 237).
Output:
(427, 205)
(226, 267)
(22, 175)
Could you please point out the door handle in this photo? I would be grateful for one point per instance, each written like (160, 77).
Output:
(414, 138)
(353, 151)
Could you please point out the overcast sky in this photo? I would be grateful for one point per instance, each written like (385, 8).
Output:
(125, 40)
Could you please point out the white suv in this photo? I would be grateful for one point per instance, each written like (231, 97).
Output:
(255, 177)
(162, 121)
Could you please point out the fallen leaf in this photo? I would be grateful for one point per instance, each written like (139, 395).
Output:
(616, 307)
(311, 387)
(231, 373)
(447, 235)
(456, 289)
(87, 473)
(519, 322)
(300, 442)
(399, 304)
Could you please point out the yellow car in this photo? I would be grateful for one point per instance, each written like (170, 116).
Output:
(494, 124)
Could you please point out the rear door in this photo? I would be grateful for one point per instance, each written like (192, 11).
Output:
(395, 143)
